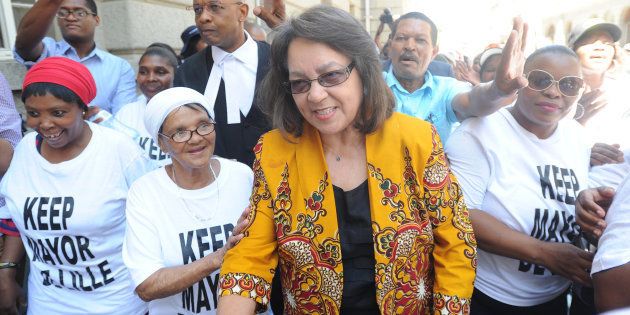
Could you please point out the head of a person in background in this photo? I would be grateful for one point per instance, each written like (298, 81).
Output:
(77, 20)
(593, 40)
(413, 46)
(55, 93)
(445, 59)
(156, 69)
(256, 31)
(221, 23)
(182, 120)
(489, 62)
(321, 73)
(192, 42)
(555, 85)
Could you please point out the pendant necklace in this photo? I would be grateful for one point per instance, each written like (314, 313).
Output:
(191, 213)
(337, 156)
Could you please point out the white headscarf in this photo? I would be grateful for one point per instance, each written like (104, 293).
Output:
(167, 101)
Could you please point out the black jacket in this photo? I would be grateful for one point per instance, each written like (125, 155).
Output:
(234, 141)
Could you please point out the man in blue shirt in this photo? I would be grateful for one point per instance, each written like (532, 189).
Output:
(77, 20)
(444, 101)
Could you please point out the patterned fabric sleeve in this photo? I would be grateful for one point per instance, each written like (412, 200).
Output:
(455, 252)
(248, 268)
(7, 227)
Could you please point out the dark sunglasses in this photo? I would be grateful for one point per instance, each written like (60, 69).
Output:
(327, 79)
(539, 80)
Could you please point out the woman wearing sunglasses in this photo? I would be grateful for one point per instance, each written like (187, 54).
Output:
(180, 217)
(521, 170)
(355, 203)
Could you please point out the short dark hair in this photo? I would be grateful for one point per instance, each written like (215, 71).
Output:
(162, 50)
(416, 16)
(59, 91)
(343, 33)
(551, 49)
(92, 6)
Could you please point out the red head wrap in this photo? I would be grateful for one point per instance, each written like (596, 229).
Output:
(65, 72)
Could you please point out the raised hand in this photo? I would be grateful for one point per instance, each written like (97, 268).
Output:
(509, 76)
(465, 72)
(274, 16)
(590, 104)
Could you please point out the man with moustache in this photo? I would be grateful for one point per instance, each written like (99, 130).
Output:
(77, 20)
(229, 71)
(444, 101)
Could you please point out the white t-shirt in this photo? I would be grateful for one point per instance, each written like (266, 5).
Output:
(162, 232)
(620, 311)
(610, 175)
(613, 248)
(612, 123)
(71, 217)
(530, 184)
(132, 115)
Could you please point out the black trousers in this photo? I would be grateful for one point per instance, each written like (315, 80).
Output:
(482, 304)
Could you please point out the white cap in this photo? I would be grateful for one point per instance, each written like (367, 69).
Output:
(167, 101)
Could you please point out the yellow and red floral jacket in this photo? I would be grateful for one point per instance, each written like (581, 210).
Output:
(424, 244)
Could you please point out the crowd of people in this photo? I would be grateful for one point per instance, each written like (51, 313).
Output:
(328, 172)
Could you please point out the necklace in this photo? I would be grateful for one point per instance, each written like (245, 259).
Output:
(179, 194)
(335, 155)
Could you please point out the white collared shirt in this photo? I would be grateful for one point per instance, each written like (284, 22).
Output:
(238, 71)
(115, 79)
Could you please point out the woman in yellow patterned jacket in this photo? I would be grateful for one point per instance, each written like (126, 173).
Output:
(355, 203)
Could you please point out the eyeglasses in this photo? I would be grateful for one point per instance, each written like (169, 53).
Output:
(539, 80)
(214, 7)
(185, 135)
(78, 13)
(327, 79)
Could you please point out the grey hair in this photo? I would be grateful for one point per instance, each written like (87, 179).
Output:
(343, 33)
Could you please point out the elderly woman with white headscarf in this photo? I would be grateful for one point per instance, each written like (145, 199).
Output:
(179, 217)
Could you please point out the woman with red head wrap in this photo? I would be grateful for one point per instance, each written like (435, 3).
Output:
(66, 191)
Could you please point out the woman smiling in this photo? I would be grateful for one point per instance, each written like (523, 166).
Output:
(66, 192)
(355, 203)
(521, 170)
(180, 216)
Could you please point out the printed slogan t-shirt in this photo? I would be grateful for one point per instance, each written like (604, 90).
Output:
(132, 115)
(71, 216)
(530, 184)
(613, 247)
(169, 226)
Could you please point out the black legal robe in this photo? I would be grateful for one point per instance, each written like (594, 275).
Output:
(233, 141)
